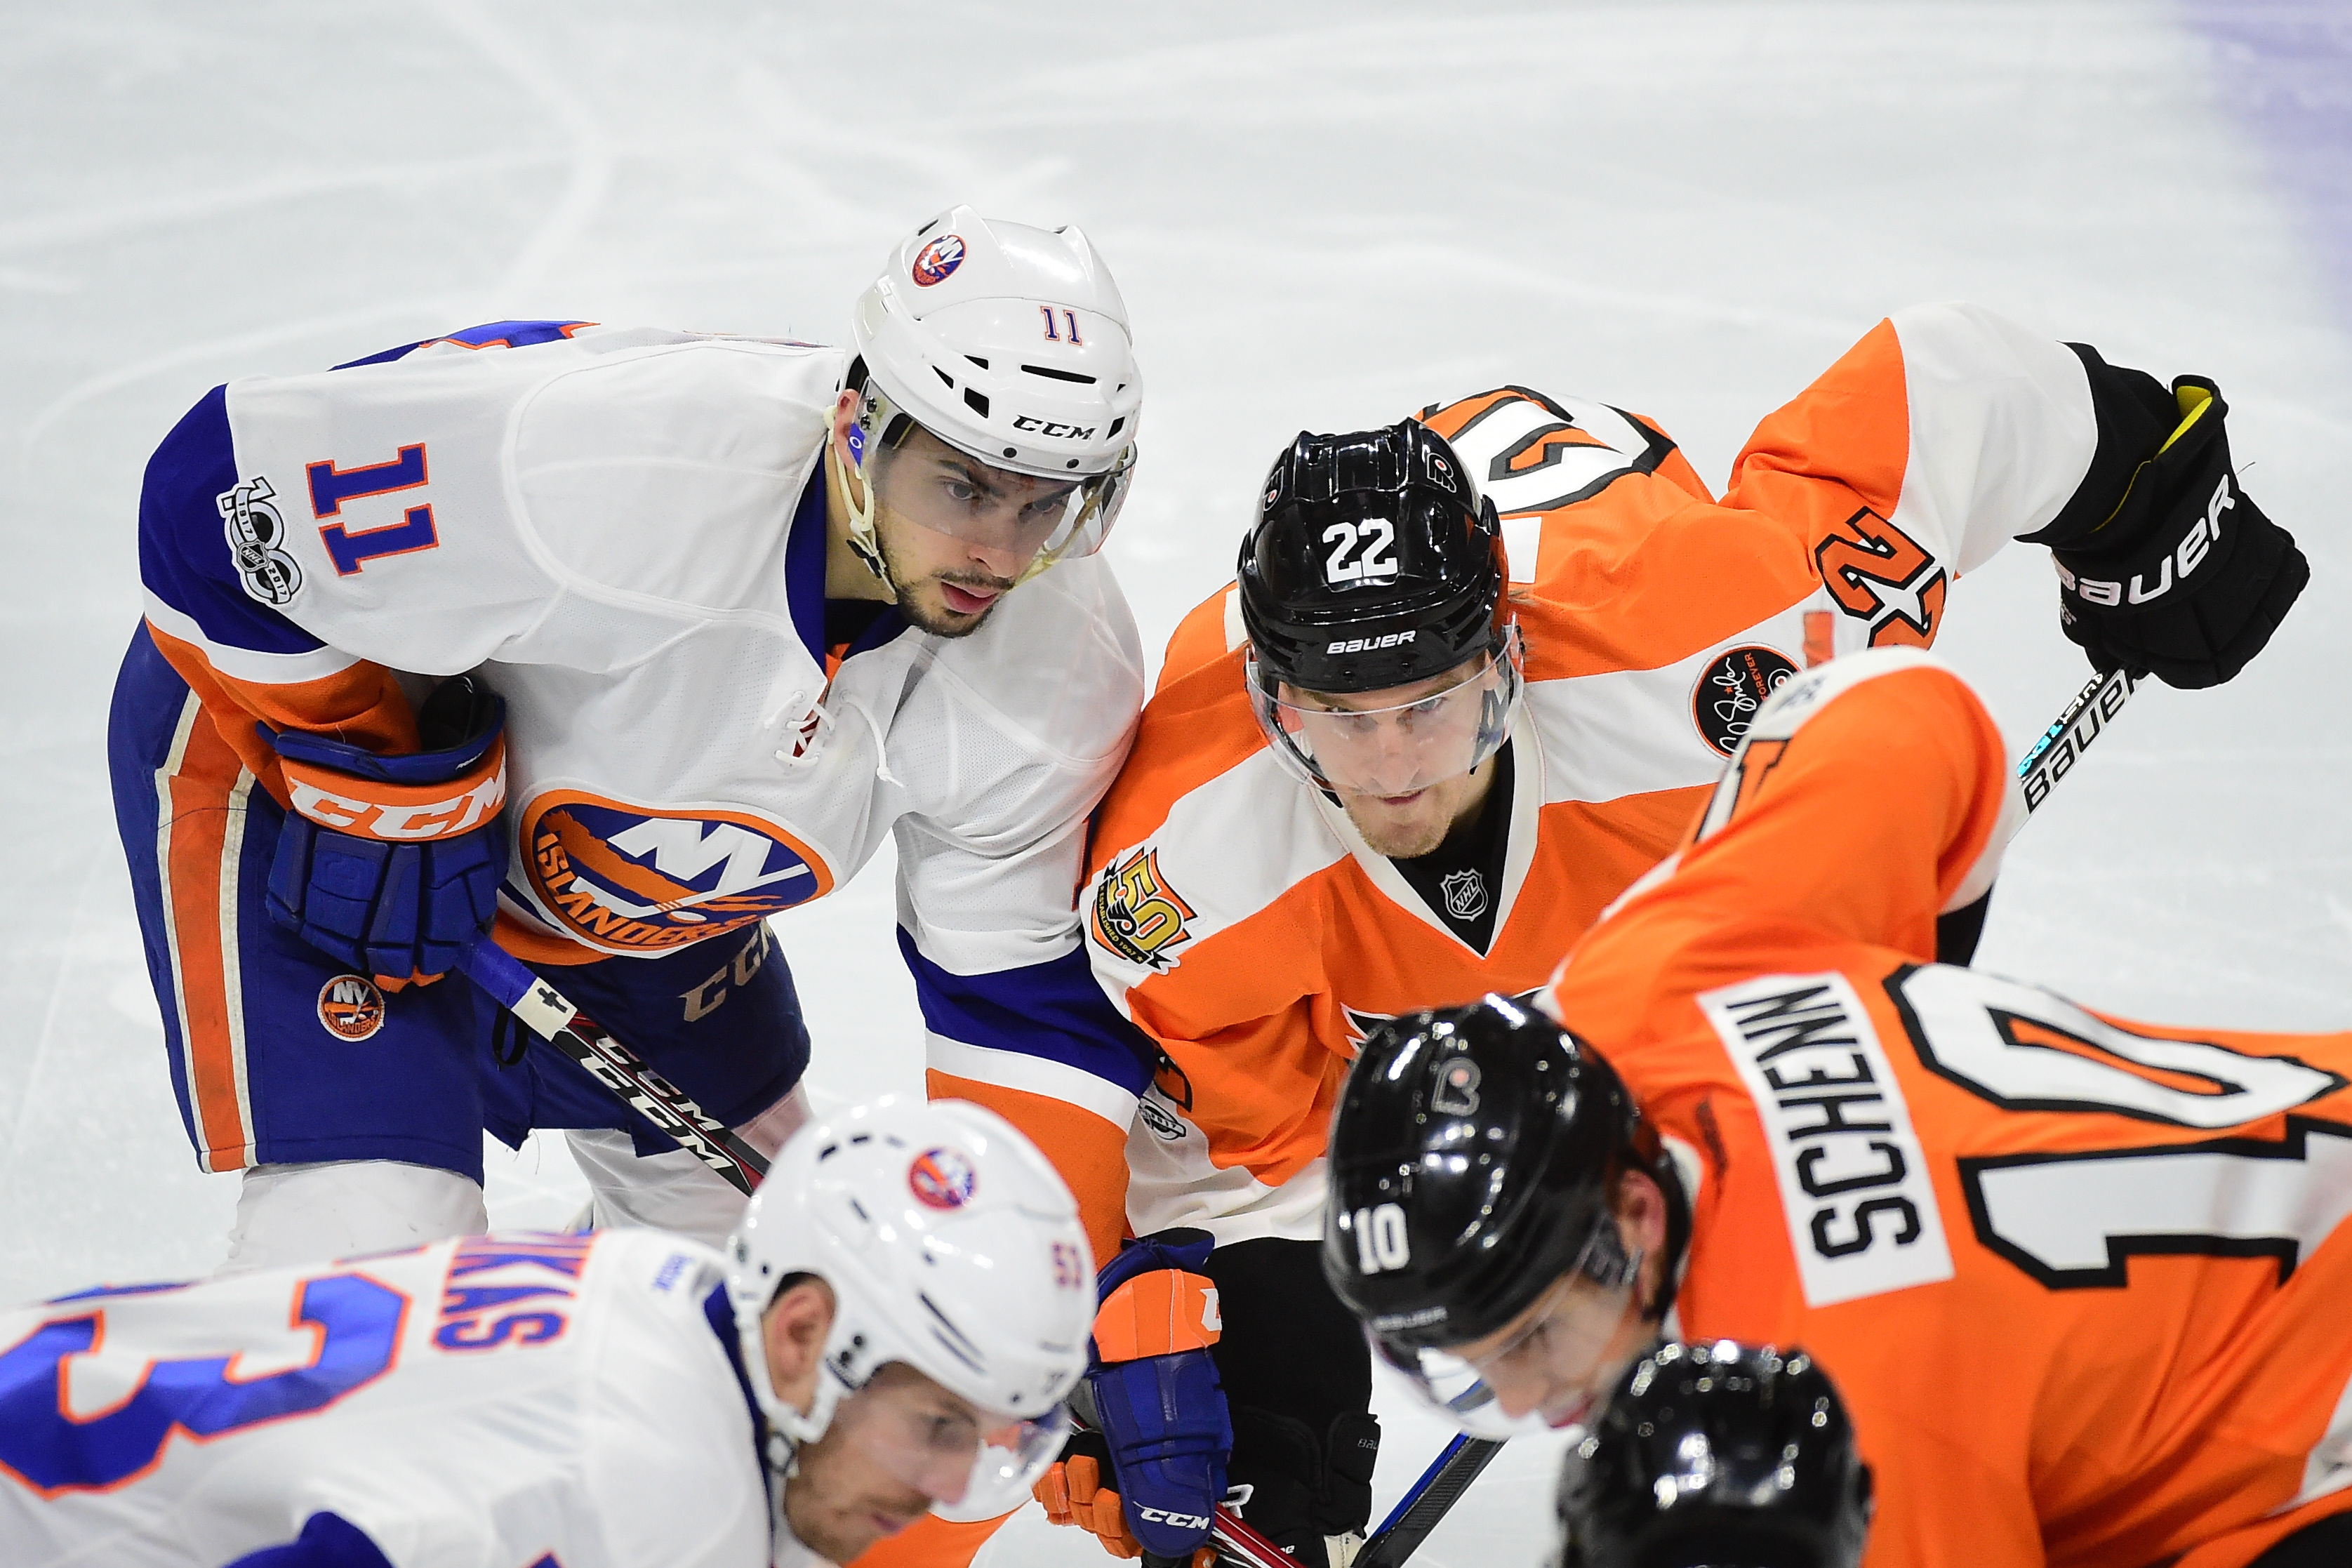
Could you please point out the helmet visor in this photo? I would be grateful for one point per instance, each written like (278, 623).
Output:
(971, 1463)
(938, 486)
(1556, 1365)
(1334, 741)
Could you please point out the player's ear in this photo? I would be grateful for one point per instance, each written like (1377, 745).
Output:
(1641, 1211)
(794, 1328)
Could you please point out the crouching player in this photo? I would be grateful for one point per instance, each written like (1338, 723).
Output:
(2081, 1281)
(892, 1330)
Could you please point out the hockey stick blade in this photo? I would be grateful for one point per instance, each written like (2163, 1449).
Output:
(550, 1015)
(1429, 1500)
(2062, 746)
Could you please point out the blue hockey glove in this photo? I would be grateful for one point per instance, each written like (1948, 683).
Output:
(391, 865)
(1156, 1391)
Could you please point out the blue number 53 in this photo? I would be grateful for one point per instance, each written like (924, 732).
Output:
(52, 1450)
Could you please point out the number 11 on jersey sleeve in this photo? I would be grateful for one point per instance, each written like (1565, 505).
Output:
(351, 549)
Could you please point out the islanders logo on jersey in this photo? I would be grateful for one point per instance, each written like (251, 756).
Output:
(351, 1007)
(941, 1179)
(936, 261)
(1137, 914)
(631, 878)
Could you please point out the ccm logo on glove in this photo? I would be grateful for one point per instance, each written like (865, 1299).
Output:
(399, 814)
(2203, 535)
(1180, 1520)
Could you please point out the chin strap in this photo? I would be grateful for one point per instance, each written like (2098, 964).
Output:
(862, 539)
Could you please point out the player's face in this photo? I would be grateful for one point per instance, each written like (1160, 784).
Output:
(1559, 1357)
(894, 1448)
(1395, 757)
(955, 533)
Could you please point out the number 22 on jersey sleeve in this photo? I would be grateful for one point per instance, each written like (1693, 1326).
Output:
(353, 1324)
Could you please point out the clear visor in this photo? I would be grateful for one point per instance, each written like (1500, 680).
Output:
(934, 485)
(971, 1463)
(1554, 1367)
(1335, 742)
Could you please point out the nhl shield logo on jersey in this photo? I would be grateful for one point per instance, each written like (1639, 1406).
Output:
(255, 533)
(941, 1179)
(1725, 698)
(633, 879)
(1137, 914)
(1465, 893)
(936, 261)
(351, 1007)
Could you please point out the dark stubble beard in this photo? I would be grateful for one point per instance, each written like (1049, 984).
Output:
(941, 622)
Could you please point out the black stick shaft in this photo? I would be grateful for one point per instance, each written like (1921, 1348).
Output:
(550, 1015)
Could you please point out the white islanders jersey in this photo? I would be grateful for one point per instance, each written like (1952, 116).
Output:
(623, 529)
(527, 1401)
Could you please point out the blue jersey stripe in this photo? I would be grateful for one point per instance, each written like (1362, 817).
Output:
(184, 558)
(1053, 1010)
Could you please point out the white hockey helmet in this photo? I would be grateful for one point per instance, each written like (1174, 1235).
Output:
(1011, 344)
(950, 1246)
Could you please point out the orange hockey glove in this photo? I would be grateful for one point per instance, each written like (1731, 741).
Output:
(1079, 1490)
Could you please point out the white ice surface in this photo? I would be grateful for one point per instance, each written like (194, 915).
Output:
(1322, 214)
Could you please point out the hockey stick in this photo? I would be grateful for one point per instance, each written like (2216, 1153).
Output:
(2083, 721)
(1427, 1500)
(553, 1018)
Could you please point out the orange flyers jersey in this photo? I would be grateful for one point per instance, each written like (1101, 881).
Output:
(2084, 1282)
(1239, 919)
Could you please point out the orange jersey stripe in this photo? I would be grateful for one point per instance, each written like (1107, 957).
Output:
(361, 705)
(1089, 1151)
(203, 827)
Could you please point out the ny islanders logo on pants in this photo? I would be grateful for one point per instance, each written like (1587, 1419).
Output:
(630, 878)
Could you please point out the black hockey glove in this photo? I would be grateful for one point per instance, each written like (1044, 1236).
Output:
(2184, 577)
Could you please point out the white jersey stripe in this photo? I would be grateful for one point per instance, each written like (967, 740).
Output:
(1032, 1074)
(189, 709)
(245, 663)
(232, 965)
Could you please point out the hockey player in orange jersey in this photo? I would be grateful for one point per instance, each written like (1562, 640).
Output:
(2082, 1281)
(1474, 678)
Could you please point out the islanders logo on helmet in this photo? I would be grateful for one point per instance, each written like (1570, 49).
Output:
(941, 1179)
(938, 261)
(630, 878)
(351, 1007)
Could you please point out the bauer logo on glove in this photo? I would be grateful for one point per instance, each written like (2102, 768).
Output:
(2180, 575)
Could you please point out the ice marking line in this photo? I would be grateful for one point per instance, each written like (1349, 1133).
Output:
(592, 152)
(50, 1011)
(205, 207)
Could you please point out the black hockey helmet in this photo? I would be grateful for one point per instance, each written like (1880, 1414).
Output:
(1722, 1455)
(1494, 1138)
(1371, 563)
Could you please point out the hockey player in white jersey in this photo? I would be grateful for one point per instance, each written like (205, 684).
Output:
(702, 620)
(893, 1329)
